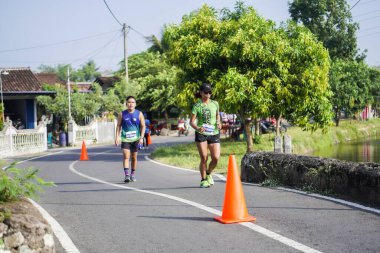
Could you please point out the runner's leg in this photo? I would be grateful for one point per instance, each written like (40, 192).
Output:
(202, 150)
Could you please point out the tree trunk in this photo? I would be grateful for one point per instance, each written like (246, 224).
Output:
(166, 118)
(337, 118)
(257, 126)
(278, 125)
(247, 128)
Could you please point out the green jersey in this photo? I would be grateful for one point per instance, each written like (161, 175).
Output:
(206, 116)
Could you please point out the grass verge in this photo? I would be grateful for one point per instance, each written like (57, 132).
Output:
(186, 155)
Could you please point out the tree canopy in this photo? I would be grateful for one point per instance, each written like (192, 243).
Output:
(331, 21)
(256, 69)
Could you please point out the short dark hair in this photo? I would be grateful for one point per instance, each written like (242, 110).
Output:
(129, 98)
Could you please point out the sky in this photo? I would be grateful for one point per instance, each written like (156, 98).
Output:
(52, 32)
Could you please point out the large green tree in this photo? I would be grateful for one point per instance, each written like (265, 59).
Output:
(351, 86)
(257, 69)
(82, 105)
(331, 21)
(157, 80)
(375, 89)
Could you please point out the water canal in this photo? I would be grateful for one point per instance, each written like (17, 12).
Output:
(356, 151)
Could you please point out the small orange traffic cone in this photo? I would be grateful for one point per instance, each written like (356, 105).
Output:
(83, 155)
(234, 208)
(149, 140)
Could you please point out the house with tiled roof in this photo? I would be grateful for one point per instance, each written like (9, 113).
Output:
(19, 89)
(107, 82)
(48, 78)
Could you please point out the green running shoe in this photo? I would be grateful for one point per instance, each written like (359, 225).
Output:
(205, 184)
(210, 180)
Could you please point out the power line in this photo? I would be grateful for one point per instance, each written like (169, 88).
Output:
(368, 29)
(139, 33)
(354, 5)
(96, 51)
(112, 13)
(370, 34)
(71, 61)
(368, 18)
(55, 44)
(365, 14)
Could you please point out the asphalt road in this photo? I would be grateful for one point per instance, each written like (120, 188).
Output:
(166, 211)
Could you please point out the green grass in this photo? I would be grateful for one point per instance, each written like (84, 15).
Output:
(186, 155)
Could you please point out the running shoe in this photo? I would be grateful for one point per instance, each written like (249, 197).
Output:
(127, 179)
(133, 179)
(204, 184)
(210, 180)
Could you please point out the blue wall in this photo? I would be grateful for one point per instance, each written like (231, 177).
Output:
(29, 113)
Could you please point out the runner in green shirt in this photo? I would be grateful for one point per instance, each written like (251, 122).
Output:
(205, 120)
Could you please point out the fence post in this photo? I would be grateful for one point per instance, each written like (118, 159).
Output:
(287, 144)
(278, 144)
(70, 132)
(96, 130)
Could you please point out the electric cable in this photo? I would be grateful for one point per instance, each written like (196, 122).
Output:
(57, 43)
(365, 14)
(354, 5)
(112, 13)
(96, 51)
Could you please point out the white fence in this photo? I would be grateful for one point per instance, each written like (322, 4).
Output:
(15, 142)
(98, 131)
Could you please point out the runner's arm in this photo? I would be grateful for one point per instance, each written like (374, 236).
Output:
(118, 130)
(142, 127)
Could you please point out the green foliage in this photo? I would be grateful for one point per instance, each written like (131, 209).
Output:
(82, 104)
(153, 81)
(5, 213)
(257, 70)
(257, 139)
(331, 21)
(187, 156)
(1, 118)
(16, 183)
(271, 182)
(351, 86)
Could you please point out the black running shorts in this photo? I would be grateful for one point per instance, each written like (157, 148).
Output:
(209, 138)
(132, 146)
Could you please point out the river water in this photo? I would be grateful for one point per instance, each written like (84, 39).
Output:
(356, 151)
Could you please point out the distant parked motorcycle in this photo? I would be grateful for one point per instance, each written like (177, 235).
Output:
(18, 124)
(182, 129)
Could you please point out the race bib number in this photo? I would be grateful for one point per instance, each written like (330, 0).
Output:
(130, 134)
(208, 128)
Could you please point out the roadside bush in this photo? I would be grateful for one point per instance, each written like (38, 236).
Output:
(16, 183)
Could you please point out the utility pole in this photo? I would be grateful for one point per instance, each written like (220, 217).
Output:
(125, 31)
(68, 90)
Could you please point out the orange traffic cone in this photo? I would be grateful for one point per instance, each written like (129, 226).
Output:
(149, 140)
(234, 208)
(83, 155)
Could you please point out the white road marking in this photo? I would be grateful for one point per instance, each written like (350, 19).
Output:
(69, 246)
(254, 227)
(59, 232)
(32, 159)
(340, 201)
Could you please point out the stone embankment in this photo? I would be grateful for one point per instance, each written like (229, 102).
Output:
(23, 229)
(357, 182)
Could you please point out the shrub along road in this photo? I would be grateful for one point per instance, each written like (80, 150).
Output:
(166, 211)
